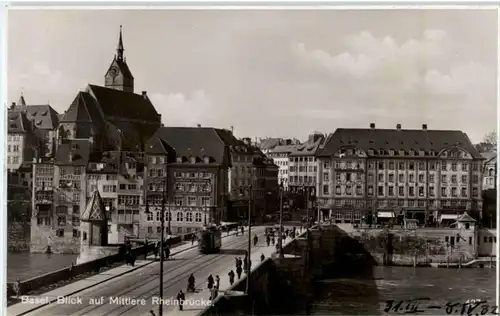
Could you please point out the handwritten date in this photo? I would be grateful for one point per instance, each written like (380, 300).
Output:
(473, 307)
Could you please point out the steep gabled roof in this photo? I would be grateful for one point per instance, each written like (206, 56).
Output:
(465, 218)
(121, 104)
(122, 65)
(309, 148)
(83, 109)
(284, 149)
(18, 122)
(95, 210)
(45, 116)
(269, 143)
(394, 139)
(196, 142)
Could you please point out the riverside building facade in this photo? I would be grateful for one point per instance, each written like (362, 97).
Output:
(432, 176)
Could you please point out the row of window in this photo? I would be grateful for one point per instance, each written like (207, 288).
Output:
(192, 175)
(13, 148)
(12, 160)
(402, 165)
(349, 190)
(179, 217)
(70, 171)
(302, 159)
(399, 203)
(183, 200)
(401, 177)
(13, 137)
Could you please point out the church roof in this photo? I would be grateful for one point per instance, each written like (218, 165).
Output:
(121, 104)
(465, 218)
(95, 210)
(83, 109)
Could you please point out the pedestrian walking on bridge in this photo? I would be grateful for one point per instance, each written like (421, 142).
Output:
(255, 240)
(262, 257)
(193, 238)
(210, 282)
(146, 248)
(268, 240)
(180, 298)
(217, 282)
(238, 271)
(231, 277)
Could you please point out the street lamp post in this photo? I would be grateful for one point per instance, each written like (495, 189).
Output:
(249, 236)
(162, 227)
(250, 195)
(280, 237)
(162, 220)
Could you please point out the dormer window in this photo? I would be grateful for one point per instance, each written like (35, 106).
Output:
(39, 122)
(431, 153)
(44, 113)
(422, 153)
(179, 159)
(391, 152)
(192, 159)
(401, 152)
(370, 152)
(206, 159)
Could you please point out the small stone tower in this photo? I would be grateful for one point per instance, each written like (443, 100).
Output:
(94, 231)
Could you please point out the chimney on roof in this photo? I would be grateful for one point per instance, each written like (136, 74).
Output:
(247, 141)
(424, 127)
(70, 157)
(145, 94)
(398, 127)
(198, 125)
(232, 129)
(12, 105)
(372, 125)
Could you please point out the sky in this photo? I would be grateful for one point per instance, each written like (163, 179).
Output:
(271, 73)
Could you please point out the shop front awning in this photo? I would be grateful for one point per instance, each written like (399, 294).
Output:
(385, 214)
(448, 216)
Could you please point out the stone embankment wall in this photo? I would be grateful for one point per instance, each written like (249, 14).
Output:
(43, 237)
(418, 246)
(18, 236)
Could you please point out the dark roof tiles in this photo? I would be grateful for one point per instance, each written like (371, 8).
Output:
(116, 103)
(194, 142)
(45, 116)
(18, 122)
(392, 139)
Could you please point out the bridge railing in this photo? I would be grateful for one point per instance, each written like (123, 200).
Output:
(64, 274)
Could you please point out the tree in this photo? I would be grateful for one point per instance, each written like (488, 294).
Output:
(489, 142)
(491, 138)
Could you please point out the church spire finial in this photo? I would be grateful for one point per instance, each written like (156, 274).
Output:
(120, 48)
(21, 99)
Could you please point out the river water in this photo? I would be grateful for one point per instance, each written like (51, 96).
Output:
(367, 294)
(25, 265)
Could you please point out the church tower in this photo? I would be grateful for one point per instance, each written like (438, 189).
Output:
(118, 76)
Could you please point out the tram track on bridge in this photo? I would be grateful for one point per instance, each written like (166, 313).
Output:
(150, 287)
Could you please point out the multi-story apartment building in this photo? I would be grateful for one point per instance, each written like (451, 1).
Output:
(58, 197)
(196, 162)
(489, 170)
(281, 158)
(428, 175)
(21, 140)
(303, 165)
(119, 178)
